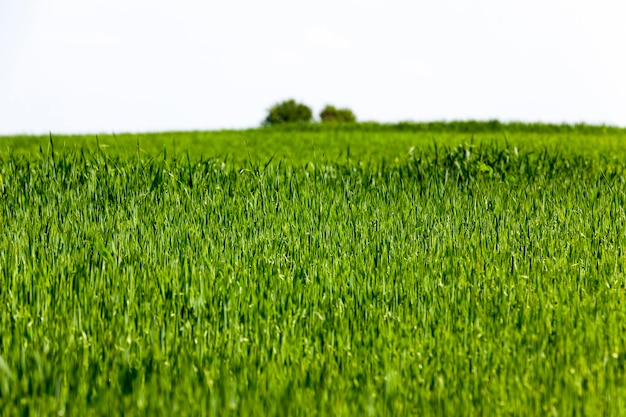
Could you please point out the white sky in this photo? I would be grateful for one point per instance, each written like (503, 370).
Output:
(70, 66)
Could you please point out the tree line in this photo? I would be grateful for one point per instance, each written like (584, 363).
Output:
(290, 111)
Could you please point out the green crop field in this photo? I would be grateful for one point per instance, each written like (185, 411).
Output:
(442, 269)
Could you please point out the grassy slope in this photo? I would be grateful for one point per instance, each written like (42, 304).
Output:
(478, 280)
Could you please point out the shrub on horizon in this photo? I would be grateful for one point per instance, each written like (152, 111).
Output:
(288, 111)
(331, 114)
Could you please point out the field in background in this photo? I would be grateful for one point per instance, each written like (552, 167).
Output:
(368, 270)
(302, 144)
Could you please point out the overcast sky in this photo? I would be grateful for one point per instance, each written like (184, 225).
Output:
(70, 66)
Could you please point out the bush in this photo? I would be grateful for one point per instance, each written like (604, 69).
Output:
(288, 112)
(332, 114)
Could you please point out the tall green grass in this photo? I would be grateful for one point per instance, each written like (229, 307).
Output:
(478, 279)
(301, 144)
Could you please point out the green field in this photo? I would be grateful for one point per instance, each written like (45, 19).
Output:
(465, 269)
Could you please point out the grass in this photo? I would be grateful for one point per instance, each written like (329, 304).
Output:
(460, 278)
(302, 144)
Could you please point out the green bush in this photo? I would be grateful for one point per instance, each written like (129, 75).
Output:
(332, 114)
(288, 111)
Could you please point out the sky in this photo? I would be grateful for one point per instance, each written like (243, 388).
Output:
(77, 66)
